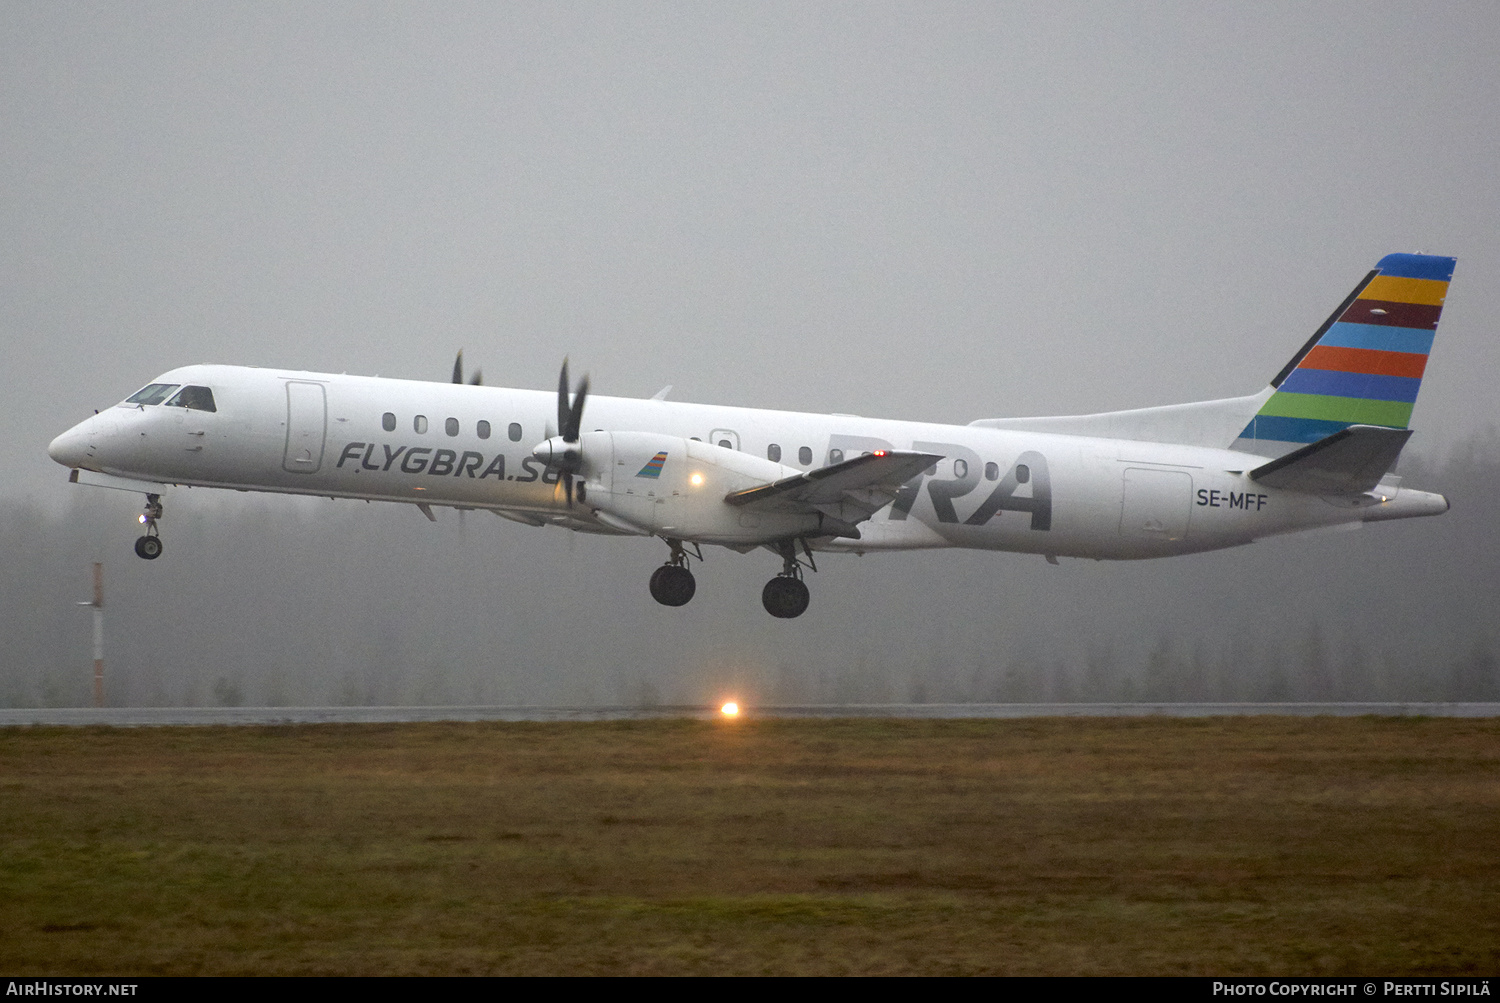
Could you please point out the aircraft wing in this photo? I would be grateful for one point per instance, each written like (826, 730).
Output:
(1350, 461)
(850, 492)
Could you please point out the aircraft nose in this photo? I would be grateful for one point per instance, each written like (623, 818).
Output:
(69, 449)
(79, 444)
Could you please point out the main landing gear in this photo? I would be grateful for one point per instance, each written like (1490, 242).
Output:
(149, 546)
(672, 584)
(785, 596)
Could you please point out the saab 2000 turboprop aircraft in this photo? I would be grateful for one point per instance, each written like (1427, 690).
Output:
(1313, 449)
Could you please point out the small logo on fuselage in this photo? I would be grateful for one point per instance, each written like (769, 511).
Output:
(653, 466)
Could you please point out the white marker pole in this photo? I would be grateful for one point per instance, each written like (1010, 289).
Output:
(98, 605)
(98, 634)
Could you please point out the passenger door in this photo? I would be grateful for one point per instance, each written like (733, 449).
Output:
(306, 426)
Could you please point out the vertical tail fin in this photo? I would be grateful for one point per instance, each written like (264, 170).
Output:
(1364, 365)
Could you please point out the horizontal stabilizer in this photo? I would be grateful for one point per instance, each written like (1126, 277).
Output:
(1350, 461)
(852, 491)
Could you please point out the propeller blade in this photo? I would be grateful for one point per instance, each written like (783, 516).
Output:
(458, 367)
(575, 415)
(562, 400)
(475, 380)
(568, 488)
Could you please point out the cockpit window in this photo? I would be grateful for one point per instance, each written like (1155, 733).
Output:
(154, 394)
(197, 398)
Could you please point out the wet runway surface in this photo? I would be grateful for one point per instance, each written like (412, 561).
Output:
(147, 716)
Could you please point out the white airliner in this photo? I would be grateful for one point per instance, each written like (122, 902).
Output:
(1313, 449)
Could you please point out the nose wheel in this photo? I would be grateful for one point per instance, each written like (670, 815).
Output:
(149, 546)
(673, 584)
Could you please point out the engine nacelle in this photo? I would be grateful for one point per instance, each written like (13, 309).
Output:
(673, 487)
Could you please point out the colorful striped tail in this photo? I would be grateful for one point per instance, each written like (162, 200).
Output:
(1364, 365)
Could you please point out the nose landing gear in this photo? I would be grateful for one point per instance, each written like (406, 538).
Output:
(672, 584)
(149, 546)
(785, 596)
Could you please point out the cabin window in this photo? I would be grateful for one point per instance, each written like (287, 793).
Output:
(420, 424)
(482, 429)
(960, 469)
(773, 453)
(514, 431)
(804, 455)
(1023, 473)
(992, 471)
(194, 398)
(154, 394)
(835, 456)
(451, 426)
(388, 422)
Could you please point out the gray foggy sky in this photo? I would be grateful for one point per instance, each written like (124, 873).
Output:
(935, 211)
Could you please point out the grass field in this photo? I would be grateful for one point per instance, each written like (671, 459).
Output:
(1208, 846)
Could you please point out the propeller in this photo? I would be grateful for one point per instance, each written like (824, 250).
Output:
(569, 421)
(458, 371)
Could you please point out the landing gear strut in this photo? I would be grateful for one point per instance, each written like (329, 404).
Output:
(672, 584)
(785, 596)
(149, 546)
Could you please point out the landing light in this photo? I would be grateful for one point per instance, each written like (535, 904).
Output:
(696, 479)
(141, 519)
(730, 709)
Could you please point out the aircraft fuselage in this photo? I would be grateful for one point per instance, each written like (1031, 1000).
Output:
(471, 447)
